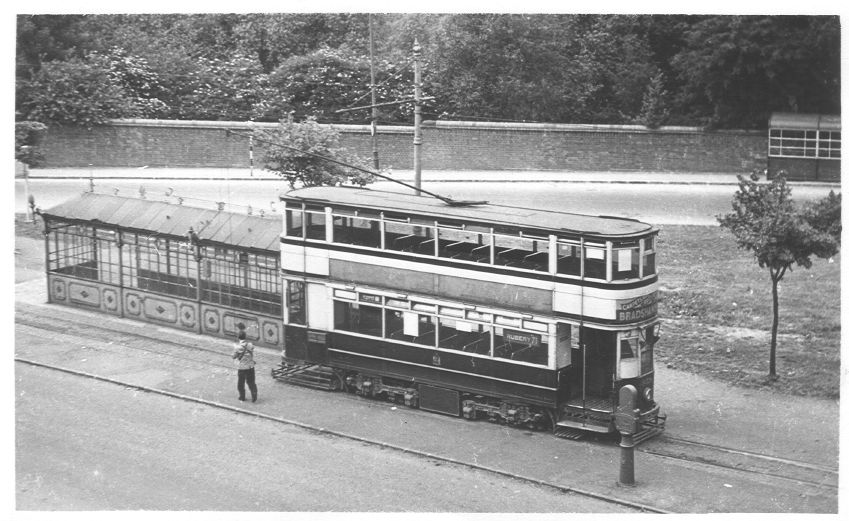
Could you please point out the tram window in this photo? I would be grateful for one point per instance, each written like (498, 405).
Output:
(521, 346)
(464, 245)
(413, 238)
(316, 225)
(296, 302)
(356, 230)
(595, 262)
(646, 357)
(625, 349)
(626, 262)
(357, 318)
(569, 259)
(521, 252)
(648, 256)
(460, 335)
(410, 327)
(294, 222)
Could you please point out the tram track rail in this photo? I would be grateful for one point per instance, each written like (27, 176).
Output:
(681, 449)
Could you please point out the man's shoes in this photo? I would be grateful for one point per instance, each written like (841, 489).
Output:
(253, 399)
(241, 399)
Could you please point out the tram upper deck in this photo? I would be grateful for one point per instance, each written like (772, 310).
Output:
(394, 205)
(525, 242)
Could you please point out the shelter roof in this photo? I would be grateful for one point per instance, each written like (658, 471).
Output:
(805, 121)
(163, 218)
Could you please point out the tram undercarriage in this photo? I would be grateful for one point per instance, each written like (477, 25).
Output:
(573, 420)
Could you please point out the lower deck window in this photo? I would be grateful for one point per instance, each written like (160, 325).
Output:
(357, 318)
(464, 336)
(521, 346)
(470, 334)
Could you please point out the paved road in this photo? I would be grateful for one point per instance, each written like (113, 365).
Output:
(656, 203)
(82, 444)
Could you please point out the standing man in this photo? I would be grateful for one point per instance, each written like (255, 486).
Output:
(243, 354)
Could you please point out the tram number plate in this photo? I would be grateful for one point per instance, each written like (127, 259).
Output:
(316, 337)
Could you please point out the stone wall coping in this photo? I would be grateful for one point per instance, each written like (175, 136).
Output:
(447, 125)
(247, 125)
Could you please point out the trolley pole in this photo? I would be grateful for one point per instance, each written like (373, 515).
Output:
(625, 419)
(417, 121)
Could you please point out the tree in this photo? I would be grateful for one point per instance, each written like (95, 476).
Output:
(736, 70)
(73, 92)
(655, 111)
(765, 221)
(308, 154)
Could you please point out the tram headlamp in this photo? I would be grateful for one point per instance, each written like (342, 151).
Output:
(648, 394)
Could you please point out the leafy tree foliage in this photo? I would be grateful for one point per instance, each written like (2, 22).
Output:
(766, 222)
(309, 154)
(720, 71)
(655, 111)
(736, 70)
(76, 92)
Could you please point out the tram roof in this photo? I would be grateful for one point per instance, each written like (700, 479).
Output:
(233, 229)
(496, 214)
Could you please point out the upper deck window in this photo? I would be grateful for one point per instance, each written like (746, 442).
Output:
(648, 256)
(521, 252)
(316, 225)
(569, 258)
(356, 230)
(626, 260)
(464, 244)
(413, 238)
(595, 261)
(294, 222)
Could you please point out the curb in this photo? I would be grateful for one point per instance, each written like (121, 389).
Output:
(823, 184)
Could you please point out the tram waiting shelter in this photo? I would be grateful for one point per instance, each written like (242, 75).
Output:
(205, 270)
(805, 146)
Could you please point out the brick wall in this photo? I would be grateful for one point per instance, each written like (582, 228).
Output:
(446, 146)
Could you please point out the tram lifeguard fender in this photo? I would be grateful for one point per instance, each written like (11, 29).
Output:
(625, 417)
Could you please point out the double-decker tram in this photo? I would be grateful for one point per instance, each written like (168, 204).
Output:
(529, 317)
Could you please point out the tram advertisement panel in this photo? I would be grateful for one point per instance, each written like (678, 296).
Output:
(637, 309)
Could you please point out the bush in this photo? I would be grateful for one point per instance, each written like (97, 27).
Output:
(28, 136)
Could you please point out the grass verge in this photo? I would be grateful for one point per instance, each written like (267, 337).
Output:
(716, 305)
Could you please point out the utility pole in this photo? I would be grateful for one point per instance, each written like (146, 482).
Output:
(417, 120)
(373, 95)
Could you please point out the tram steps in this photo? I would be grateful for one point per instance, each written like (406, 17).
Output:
(314, 376)
(569, 433)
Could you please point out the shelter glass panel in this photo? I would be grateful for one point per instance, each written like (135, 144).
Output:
(240, 279)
